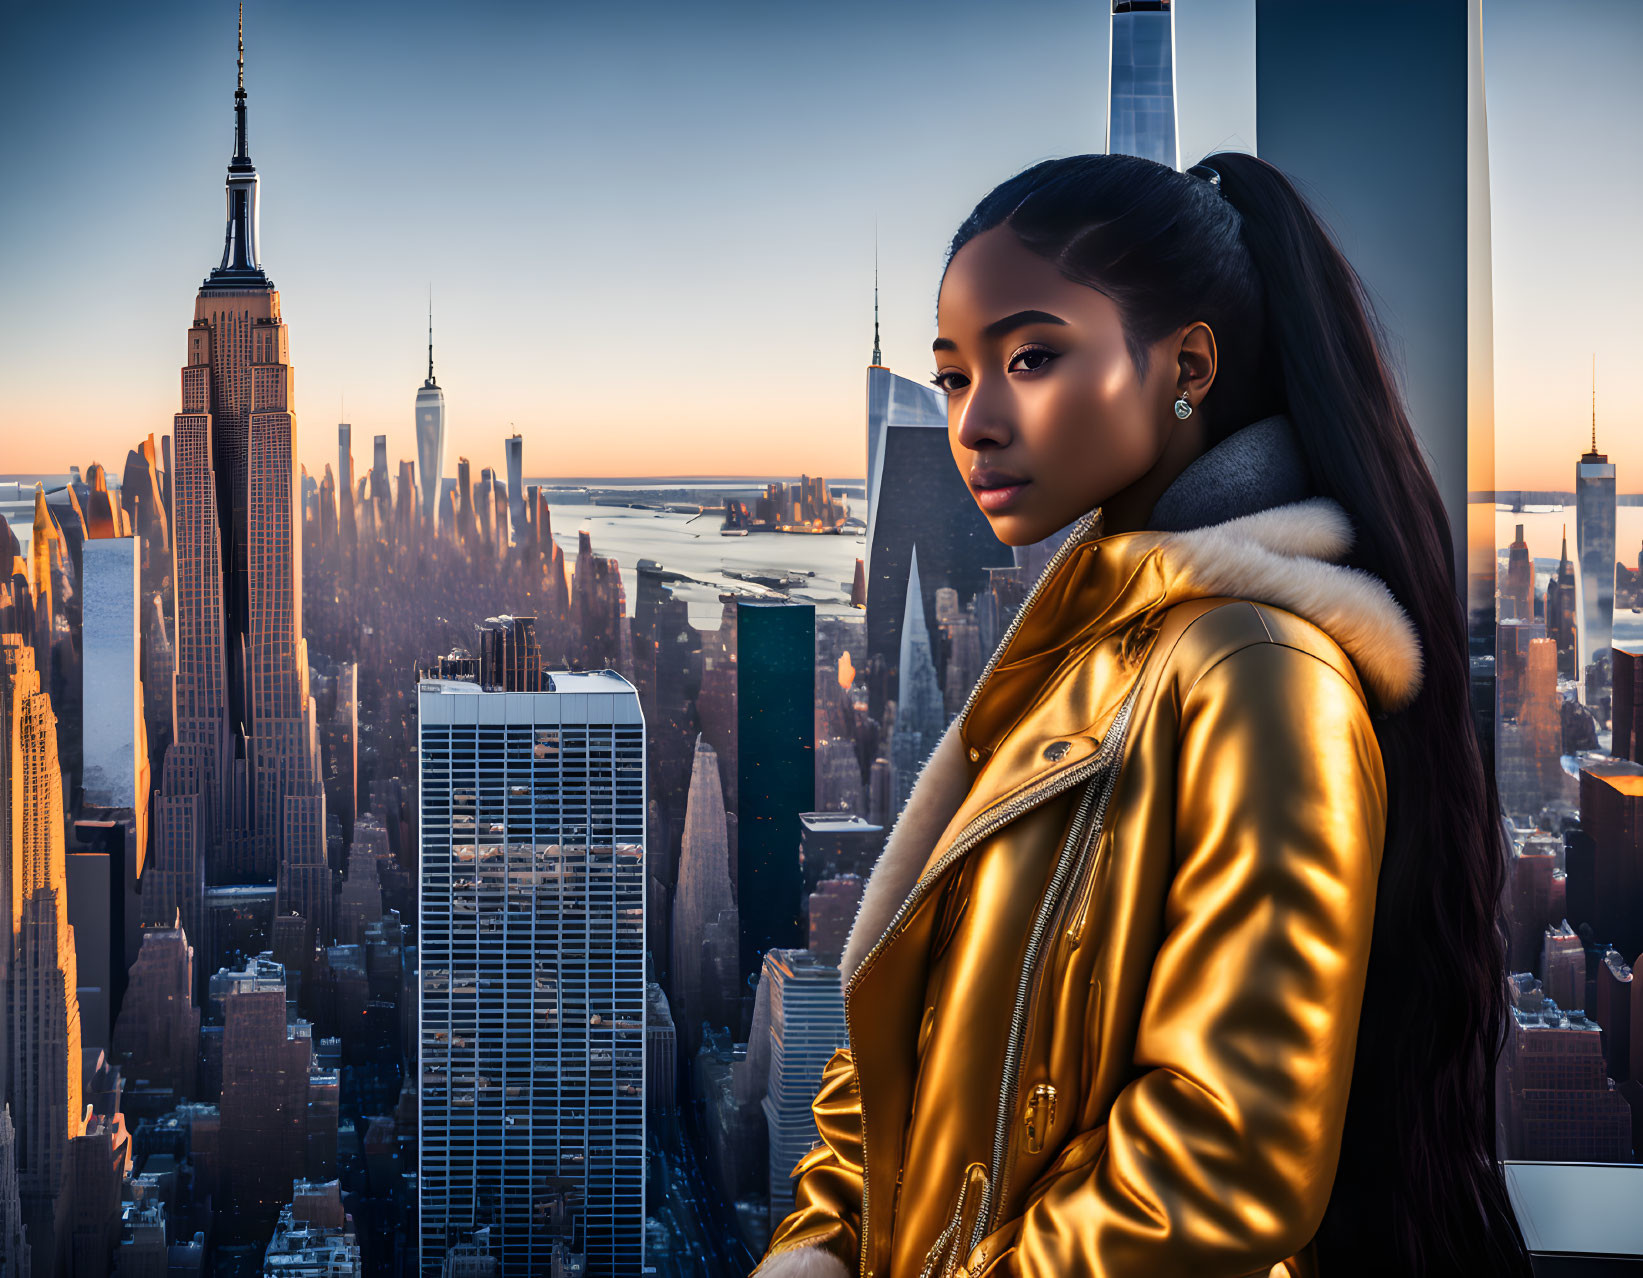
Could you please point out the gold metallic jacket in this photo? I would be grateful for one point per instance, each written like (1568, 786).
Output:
(1104, 986)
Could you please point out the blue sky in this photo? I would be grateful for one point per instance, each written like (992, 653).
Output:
(649, 228)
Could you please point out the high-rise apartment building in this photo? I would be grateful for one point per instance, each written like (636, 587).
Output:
(267, 1079)
(532, 931)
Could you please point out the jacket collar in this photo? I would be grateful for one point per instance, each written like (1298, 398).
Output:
(1285, 555)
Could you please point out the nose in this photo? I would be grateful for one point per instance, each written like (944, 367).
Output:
(986, 417)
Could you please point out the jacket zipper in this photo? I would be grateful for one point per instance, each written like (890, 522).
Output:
(973, 833)
(968, 837)
(938, 1255)
(1029, 974)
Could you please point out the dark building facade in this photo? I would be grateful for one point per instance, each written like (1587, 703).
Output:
(916, 497)
(776, 770)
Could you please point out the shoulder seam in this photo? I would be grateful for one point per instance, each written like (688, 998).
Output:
(1269, 641)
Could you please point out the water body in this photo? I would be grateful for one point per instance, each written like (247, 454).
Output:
(691, 544)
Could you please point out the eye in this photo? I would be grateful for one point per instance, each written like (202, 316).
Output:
(1038, 355)
(1043, 355)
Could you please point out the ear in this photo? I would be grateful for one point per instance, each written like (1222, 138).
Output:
(1196, 361)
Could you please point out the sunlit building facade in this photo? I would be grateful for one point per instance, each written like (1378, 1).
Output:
(532, 1012)
(114, 739)
(227, 811)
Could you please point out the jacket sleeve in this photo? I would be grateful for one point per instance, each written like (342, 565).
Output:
(1218, 1158)
(827, 1198)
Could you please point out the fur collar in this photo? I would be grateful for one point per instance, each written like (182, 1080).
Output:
(1282, 556)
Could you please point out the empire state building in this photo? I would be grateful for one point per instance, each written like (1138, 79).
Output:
(241, 799)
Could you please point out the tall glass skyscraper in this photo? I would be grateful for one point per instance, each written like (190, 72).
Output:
(513, 448)
(430, 433)
(1595, 547)
(806, 1028)
(1141, 82)
(532, 1011)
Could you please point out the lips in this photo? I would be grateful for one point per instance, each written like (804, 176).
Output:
(981, 480)
(995, 491)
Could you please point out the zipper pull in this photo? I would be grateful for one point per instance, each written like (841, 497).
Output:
(1039, 1116)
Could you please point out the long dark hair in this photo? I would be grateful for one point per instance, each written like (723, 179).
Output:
(1418, 1189)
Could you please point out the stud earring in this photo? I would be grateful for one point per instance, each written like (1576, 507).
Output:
(1182, 408)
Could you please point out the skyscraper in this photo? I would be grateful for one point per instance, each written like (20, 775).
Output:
(241, 662)
(1562, 616)
(513, 449)
(1595, 546)
(267, 1075)
(916, 497)
(347, 532)
(703, 897)
(113, 739)
(776, 769)
(1141, 82)
(920, 716)
(1517, 596)
(43, 1020)
(532, 932)
(806, 1028)
(430, 431)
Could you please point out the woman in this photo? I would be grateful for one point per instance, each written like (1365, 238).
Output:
(1182, 957)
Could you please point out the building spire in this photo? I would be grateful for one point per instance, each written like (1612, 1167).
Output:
(240, 267)
(878, 358)
(430, 381)
(239, 97)
(1594, 401)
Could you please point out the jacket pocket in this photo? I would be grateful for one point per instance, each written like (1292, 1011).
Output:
(948, 1248)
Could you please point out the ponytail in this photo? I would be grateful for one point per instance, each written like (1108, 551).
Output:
(1418, 1189)
(1420, 1127)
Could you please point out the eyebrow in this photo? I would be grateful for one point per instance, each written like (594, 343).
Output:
(999, 327)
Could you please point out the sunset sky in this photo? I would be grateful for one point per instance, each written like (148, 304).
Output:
(649, 231)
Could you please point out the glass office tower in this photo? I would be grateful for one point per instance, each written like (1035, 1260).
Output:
(1141, 82)
(1595, 542)
(532, 1012)
(806, 1028)
(430, 436)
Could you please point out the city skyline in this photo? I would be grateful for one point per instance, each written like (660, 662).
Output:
(400, 886)
(780, 158)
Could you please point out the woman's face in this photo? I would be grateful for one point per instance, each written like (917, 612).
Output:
(1046, 415)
